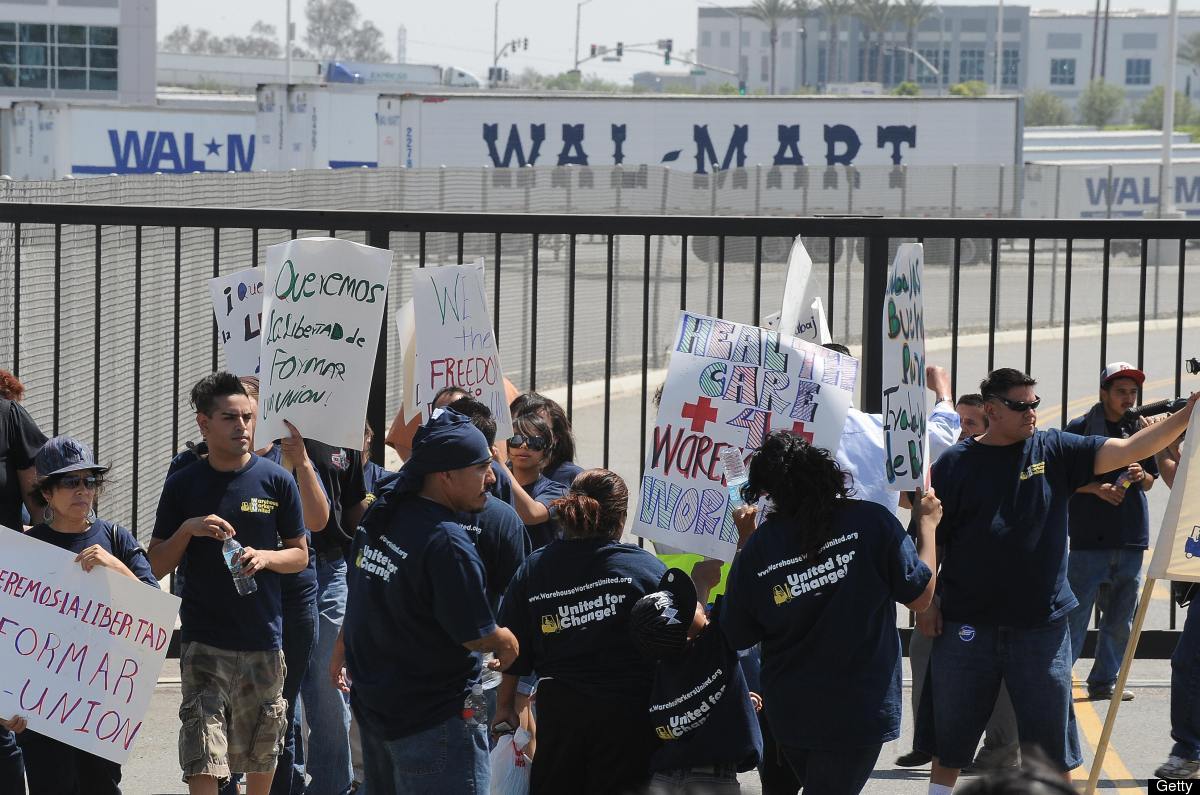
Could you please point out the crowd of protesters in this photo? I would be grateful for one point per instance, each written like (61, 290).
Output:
(387, 628)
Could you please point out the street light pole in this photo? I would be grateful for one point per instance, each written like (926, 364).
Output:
(496, 36)
(1167, 186)
(578, 11)
(999, 44)
(287, 46)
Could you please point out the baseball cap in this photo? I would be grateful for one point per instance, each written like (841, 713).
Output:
(63, 454)
(659, 621)
(1121, 370)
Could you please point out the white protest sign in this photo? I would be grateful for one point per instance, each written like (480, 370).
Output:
(406, 330)
(322, 315)
(802, 314)
(81, 651)
(906, 443)
(455, 342)
(237, 305)
(1177, 550)
(728, 385)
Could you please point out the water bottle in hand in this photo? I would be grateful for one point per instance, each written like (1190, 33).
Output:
(735, 474)
(232, 551)
(475, 710)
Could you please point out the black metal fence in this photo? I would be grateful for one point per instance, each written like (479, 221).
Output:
(109, 322)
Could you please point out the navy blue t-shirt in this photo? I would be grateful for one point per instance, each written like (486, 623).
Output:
(1094, 523)
(500, 538)
(115, 539)
(545, 491)
(262, 503)
(569, 608)
(827, 623)
(700, 708)
(502, 488)
(1004, 527)
(565, 473)
(416, 596)
(372, 472)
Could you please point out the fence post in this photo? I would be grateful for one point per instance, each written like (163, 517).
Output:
(875, 266)
(377, 398)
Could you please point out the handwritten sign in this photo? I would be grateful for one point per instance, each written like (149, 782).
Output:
(455, 344)
(1177, 550)
(323, 310)
(728, 385)
(81, 651)
(802, 313)
(906, 444)
(237, 305)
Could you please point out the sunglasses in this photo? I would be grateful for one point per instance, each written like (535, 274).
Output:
(75, 481)
(534, 443)
(1019, 405)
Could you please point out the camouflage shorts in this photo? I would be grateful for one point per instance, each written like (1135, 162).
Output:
(233, 712)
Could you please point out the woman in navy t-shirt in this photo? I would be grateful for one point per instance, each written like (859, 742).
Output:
(560, 464)
(530, 449)
(817, 585)
(68, 482)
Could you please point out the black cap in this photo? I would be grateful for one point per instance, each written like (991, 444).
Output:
(659, 622)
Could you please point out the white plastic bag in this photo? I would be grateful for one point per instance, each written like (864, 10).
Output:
(510, 766)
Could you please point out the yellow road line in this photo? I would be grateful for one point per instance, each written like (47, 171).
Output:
(1091, 726)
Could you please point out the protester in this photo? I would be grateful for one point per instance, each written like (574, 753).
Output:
(1004, 591)
(417, 612)
(560, 466)
(530, 449)
(20, 440)
(68, 483)
(569, 607)
(1109, 524)
(700, 706)
(817, 586)
(971, 416)
(372, 472)
(231, 665)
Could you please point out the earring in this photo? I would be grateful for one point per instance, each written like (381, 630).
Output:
(47, 515)
(91, 516)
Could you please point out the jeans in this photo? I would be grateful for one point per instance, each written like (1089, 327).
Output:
(832, 772)
(1121, 571)
(12, 769)
(327, 752)
(449, 757)
(1185, 688)
(711, 780)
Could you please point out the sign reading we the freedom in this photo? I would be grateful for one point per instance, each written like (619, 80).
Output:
(728, 385)
(906, 443)
(322, 316)
(237, 305)
(81, 651)
(454, 341)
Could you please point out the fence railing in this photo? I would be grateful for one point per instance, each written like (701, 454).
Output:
(109, 321)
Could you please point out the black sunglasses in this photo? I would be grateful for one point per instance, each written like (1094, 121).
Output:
(535, 443)
(75, 481)
(1019, 405)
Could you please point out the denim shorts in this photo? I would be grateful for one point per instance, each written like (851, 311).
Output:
(966, 667)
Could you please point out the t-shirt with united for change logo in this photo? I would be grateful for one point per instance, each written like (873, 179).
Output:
(827, 623)
(569, 607)
(262, 503)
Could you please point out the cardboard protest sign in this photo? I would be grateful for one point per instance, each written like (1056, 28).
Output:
(237, 305)
(803, 313)
(728, 385)
(906, 443)
(323, 310)
(81, 651)
(455, 344)
(1177, 550)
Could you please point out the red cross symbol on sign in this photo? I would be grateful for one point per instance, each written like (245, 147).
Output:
(798, 429)
(700, 413)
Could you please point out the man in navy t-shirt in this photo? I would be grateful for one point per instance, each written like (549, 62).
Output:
(1109, 524)
(1003, 579)
(416, 616)
(231, 665)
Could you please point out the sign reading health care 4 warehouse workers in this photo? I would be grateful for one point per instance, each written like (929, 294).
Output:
(728, 385)
(80, 652)
(322, 316)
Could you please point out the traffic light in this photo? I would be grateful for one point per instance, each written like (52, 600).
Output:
(665, 45)
(593, 50)
(620, 48)
(524, 44)
(742, 87)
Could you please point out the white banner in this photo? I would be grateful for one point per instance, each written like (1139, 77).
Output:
(906, 443)
(81, 651)
(1177, 550)
(455, 344)
(237, 304)
(727, 385)
(323, 311)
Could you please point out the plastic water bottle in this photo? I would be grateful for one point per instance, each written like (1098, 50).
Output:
(475, 708)
(735, 474)
(232, 551)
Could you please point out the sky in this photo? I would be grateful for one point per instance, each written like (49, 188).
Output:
(460, 33)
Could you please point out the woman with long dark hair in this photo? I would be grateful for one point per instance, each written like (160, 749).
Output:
(560, 464)
(569, 607)
(817, 584)
(531, 448)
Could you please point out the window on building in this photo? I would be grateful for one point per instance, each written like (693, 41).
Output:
(1010, 70)
(924, 75)
(745, 38)
(1137, 71)
(970, 65)
(765, 38)
(725, 38)
(1062, 71)
(1064, 41)
(822, 65)
(73, 57)
(1139, 41)
(785, 38)
(765, 69)
(706, 38)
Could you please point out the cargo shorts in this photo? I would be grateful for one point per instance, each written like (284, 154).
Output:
(233, 713)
